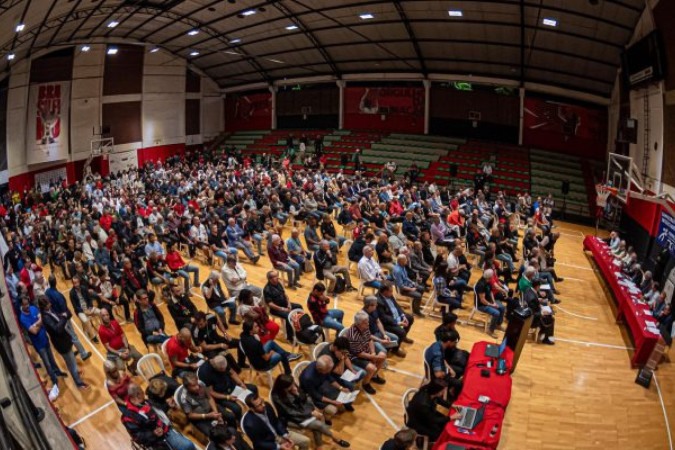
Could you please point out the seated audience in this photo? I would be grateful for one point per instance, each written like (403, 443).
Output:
(263, 357)
(266, 431)
(321, 315)
(423, 417)
(362, 351)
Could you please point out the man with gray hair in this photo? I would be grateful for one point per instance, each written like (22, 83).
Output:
(319, 382)
(221, 381)
(282, 262)
(362, 351)
(325, 263)
(486, 303)
(406, 286)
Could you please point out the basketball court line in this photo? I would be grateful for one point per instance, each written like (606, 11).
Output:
(575, 266)
(91, 414)
(381, 411)
(575, 315)
(575, 279)
(405, 372)
(665, 413)
(91, 344)
(593, 344)
(571, 235)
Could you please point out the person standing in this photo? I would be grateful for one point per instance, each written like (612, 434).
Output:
(59, 306)
(63, 343)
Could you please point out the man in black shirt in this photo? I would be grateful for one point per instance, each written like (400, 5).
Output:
(211, 343)
(221, 380)
(276, 299)
(264, 357)
(181, 307)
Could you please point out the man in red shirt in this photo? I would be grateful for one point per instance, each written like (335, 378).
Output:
(105, 221)
(178, 349)
(116, 343)
(176, 264)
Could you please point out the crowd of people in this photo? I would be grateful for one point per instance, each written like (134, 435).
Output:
(117, 247)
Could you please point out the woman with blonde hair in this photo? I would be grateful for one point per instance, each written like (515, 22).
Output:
(117, 382)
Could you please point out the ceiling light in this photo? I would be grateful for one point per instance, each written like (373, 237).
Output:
(455, 13)
(193, 32)
(112, 51)
(86, 48)
(19, 28)
(276, 61)
(113, 24)
(194, 53)
(11, 56)
(250, 12)
(154, 50)
(235, 41)
(550, 22)
(292, 27)
(366, 16)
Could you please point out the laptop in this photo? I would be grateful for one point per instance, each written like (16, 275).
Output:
(470, 417)
(495, 351)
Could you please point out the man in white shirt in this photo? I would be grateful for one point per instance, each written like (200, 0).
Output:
(234, 277)
(369, 270)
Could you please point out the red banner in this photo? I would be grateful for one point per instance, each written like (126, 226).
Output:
(248, 112)
(569, 128)
(391, 109)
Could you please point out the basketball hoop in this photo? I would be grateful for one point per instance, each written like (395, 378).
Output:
(603, 192)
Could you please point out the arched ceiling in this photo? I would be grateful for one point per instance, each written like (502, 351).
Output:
(240, 42)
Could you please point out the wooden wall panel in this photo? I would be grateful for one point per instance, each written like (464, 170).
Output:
(123, 72)
(193, 82)
(192, 117)
(124, 120)
(56, 66)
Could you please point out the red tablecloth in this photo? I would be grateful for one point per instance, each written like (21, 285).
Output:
(497, 387)
(630, 308)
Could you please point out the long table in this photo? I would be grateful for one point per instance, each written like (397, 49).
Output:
(630, 308)
(487, 433)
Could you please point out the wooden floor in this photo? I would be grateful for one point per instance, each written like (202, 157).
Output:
(578, 394)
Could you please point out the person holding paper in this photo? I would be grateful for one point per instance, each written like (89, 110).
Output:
(338, 352)
(324, 387)
(216, 299)
(362, 351)
(296, 407)
(266, 432)
(200, 407)
(383, 339)
(178, 349)
(224, 385)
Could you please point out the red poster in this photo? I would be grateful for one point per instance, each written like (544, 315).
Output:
(391, 109)
(248, 112)
(568, 128)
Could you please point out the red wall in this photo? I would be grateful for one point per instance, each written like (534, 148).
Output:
(74, 171)
(248, 112)
(646, 214)
(550, 125)
(160, 152)
(402, 107)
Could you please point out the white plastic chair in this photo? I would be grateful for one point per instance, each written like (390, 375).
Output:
(295, 343)
(297, 370)
(427, 369)
(267, 374)
(148, 363)
(318, 349)
(485, 316)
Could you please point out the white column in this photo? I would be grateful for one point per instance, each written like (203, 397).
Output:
(273, 90)
(341, 108)
(521, 116)
(427, 104)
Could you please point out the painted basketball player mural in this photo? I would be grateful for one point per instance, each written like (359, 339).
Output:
(47, 128)
(48, 114)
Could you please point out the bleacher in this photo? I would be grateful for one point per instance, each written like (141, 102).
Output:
(515, 169)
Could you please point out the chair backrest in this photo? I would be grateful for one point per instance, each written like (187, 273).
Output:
(476, 301)
(164, 344)
(176, 396)
(241, 424)
(148, 363)
(297, 370)
(405, 400)
(318, 349)
(291, 318)
(342, 332)
(427, 369)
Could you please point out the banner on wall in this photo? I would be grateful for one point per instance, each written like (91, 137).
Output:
(562, 126)
(389, 101)
(47, 128)
(247, 107)
(666, 234)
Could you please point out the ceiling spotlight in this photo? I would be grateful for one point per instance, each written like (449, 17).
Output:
(235, 41)
(193, 32)
(366, 16)
(275, 61)
(455, 13)
(194, 53)
(86, 48)
(250, 12)
(230, 52)
(292, 27)
(19, 28)
(550, 22)
(112, 51)
(11, 56)
(113, 24)
(154, 49)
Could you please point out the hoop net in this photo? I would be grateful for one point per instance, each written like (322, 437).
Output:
(603, 192)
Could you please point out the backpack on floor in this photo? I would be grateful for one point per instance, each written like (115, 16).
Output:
(340, 284)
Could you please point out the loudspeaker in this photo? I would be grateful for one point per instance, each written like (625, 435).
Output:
(565, 187)
(516, 332)
(453, 170)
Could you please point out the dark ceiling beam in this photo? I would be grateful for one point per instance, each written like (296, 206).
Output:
(82, 24)
(153, 17)
(554, 70)
(7, 5)
(42, 24)
(309, 35)
(21, 20)
(165, 7)
(432, 41)
(210, 22)
(105, 19)
(411, 35)
(65, 19)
